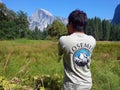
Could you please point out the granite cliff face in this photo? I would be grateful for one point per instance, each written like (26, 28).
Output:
(41, 18)
(116, 18)
(1, 1)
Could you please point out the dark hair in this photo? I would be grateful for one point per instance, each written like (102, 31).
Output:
(78, 19)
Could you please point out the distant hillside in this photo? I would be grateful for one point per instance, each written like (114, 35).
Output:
(116, 18)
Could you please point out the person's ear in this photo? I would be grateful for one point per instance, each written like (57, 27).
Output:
(70, 28)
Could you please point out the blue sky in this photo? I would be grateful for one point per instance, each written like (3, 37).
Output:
(103, 9)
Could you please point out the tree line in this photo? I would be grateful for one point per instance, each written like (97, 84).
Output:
(103, 29)
(15, 26)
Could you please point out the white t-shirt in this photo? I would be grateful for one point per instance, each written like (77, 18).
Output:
(77, 49)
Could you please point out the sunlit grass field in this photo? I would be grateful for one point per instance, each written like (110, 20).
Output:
(34, 58)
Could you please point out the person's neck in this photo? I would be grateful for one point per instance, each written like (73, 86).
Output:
(78, 32)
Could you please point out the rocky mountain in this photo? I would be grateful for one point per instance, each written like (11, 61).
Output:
(116, 18)
(1, 1)
(41, 18)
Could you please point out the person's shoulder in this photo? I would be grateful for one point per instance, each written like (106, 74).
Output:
(63, 38)
(91, 37)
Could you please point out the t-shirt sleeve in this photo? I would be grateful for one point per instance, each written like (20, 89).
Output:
(60, 49)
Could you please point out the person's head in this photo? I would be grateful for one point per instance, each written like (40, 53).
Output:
(77, 21)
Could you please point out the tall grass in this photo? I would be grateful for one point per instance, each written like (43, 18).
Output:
(35, 58)
(28, 57)
(106, 66)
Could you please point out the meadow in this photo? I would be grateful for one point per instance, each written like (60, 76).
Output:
(32, 65)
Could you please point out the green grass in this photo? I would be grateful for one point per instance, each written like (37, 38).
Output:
(106, 66)
(29, 58)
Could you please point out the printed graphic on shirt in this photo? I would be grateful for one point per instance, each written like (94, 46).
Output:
(81, 57)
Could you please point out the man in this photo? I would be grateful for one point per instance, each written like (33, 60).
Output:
(76, 49)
